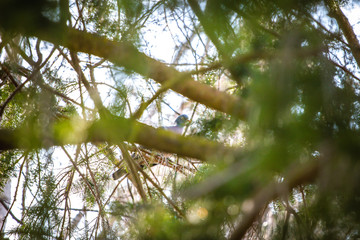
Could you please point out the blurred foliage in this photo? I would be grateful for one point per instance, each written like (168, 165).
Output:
(215, 127)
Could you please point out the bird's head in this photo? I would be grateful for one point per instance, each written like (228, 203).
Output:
(182, 120)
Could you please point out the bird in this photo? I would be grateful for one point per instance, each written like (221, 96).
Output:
(180, 122)
(178, 128)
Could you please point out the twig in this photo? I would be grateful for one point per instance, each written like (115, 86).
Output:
(12, 79)
(166, 102)
(114, 190)
(19, 87)
(12, 95)
(82, 176)
(304, 174)
(133, 172)
(345, 70)
(286, 224)
(160, 190)
(67, 191)
(50, 89)
(164, 87)
(15, 195)
(10, 212)
(94, 94)
(258, 55)
(345, 26)
(78, 209)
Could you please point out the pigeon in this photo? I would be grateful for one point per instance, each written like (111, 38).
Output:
(180, 122)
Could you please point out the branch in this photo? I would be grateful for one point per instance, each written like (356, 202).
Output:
(347, 71)
(126, 55)
(15, 195)
(8, 73)
(3, 203)
(95, 96)
(134, 176)
(346, 28)
(112, 130)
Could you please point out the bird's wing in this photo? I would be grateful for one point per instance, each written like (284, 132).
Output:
(175, 129)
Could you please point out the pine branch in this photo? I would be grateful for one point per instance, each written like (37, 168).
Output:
(346, 28)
